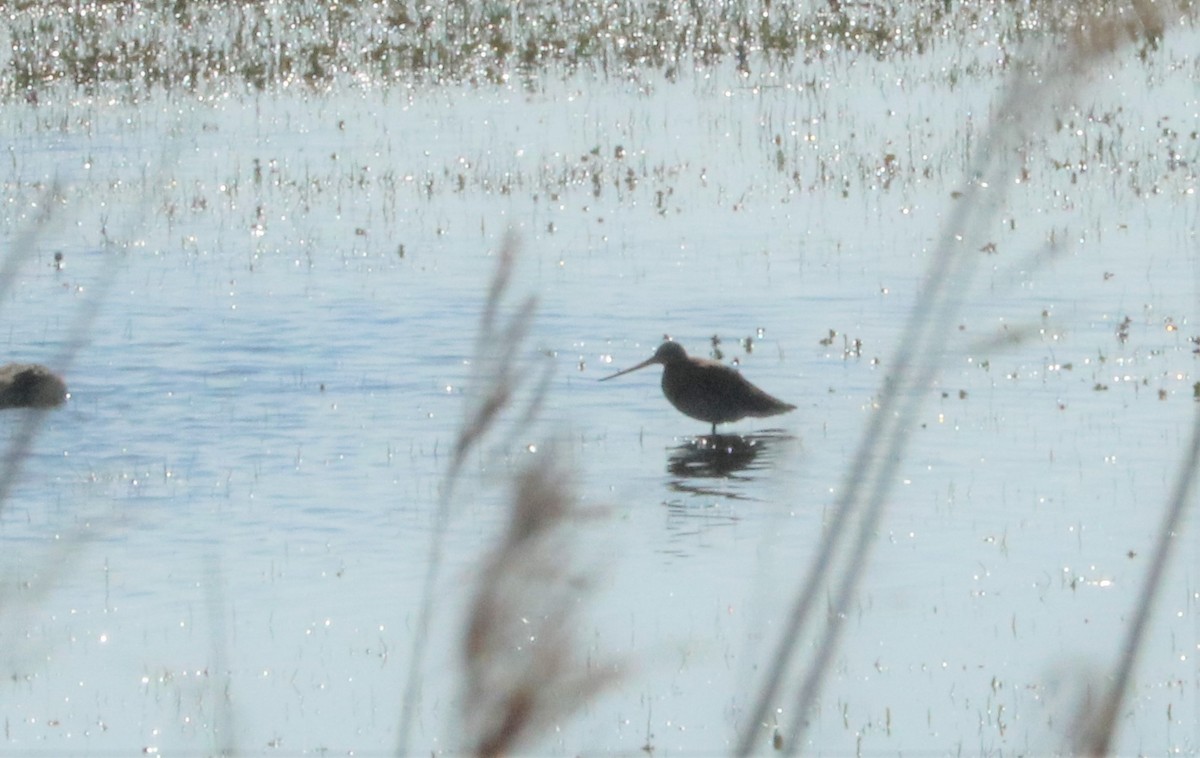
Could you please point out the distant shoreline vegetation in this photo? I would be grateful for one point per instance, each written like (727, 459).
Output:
(218, 47)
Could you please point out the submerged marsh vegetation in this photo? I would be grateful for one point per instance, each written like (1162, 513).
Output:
(202, 46)
(324, 213)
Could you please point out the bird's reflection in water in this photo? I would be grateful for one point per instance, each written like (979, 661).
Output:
(702, 465)
(711, 475)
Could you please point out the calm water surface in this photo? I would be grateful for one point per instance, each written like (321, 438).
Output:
(221, 539)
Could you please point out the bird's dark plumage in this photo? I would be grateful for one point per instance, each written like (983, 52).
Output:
(708, 390)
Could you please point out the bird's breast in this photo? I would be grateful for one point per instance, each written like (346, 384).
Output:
(711, 393)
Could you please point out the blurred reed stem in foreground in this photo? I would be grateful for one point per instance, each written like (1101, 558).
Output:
(521, 671)
(1023, 110)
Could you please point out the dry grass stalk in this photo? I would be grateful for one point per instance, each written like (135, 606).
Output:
(494, 380)
(520, 668)
(519, 652)
(839, 564)
(1095, 727)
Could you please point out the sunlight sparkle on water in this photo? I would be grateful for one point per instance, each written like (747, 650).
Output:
(273, 314)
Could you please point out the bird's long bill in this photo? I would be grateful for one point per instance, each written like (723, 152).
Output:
(643, 364)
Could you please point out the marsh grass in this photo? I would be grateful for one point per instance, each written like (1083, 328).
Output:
(506, 694)
(521, 667)
(1026, 109)
(495, 379)
(209, 47)
(528, 587)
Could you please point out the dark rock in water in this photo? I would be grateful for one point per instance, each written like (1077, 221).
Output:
(30, 385)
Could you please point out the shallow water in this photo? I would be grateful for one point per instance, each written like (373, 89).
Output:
(220, 541)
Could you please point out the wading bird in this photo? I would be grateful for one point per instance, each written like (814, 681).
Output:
(707, 390)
